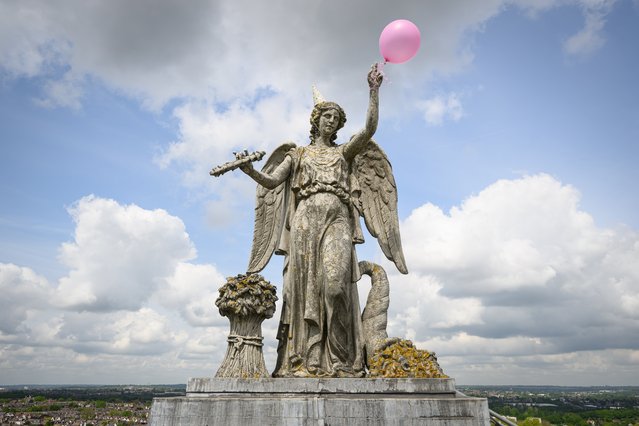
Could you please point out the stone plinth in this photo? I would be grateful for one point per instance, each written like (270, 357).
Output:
(211, 401)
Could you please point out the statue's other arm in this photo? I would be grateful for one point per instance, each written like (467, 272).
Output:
(272, 180)
(358, 141)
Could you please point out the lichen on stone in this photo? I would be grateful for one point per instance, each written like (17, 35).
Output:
(247, 294)
(403, 359)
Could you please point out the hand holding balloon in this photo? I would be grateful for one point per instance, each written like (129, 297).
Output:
(375, 77)
(399, 41)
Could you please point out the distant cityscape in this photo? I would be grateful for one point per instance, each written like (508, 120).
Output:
(80, 405)
(123, 405)
(562, 405)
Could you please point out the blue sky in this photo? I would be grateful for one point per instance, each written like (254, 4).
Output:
(514, 140)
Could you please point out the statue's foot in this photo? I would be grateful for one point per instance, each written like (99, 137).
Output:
(304, 372)
(316, 371)
(301, 373)
(349, 374)
(344, 371)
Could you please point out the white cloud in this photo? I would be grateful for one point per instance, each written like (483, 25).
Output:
(240, 88)
(64, 92)
(504, 237)
(517, 270)
(206, 51)
(534, 7)
(119, 255)
(464, 344)
(418, 301)
(121, 44)
(192, 291)
(127, 307)
(22, 291)
(209, 344)
(590, 37)
(141, 332)
(518, 267)
(515, 279)
(440, 108)
(207, 135)
(28, 43)
(581, 368)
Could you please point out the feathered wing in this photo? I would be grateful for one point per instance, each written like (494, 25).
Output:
(270, 212)
(377, 201)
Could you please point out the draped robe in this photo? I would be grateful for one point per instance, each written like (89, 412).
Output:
(320, 331)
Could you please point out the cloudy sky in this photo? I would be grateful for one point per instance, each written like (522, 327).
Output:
(514, 137)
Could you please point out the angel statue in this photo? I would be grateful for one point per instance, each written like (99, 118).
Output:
(309, 200)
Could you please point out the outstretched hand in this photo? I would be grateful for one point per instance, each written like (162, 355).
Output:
(246, 167)
(375, 77)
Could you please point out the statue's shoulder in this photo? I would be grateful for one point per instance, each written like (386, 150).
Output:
(286, 148)
(277, 156)
(294, 151)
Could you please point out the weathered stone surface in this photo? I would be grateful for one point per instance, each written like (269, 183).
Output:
(333, 402)
(246, 300)
(375, 314)
(308, 207)
(209, 385)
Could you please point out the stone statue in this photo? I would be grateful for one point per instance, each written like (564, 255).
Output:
(308, 207)
(309, 200)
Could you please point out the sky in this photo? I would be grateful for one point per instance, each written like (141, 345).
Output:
(514, 139)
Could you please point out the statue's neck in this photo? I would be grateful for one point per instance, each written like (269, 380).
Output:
(323, 141)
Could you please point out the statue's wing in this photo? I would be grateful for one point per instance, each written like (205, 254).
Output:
(270, 212)
(377, 201)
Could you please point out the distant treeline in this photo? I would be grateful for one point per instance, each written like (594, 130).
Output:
(106, 393)
(562, 416)
(562, 405)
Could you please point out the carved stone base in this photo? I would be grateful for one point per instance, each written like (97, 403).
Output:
(211, 401)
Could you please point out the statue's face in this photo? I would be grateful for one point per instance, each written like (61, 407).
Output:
(328, 122)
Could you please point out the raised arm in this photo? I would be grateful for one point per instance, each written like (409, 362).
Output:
(272, 180)
(358, 141)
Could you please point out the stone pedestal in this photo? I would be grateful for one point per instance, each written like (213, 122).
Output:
(214, 401)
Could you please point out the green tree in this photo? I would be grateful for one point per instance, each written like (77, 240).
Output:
(574, 419)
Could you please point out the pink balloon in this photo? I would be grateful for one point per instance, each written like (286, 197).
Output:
(399, 41)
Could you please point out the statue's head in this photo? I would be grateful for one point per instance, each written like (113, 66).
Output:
(318, 110)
